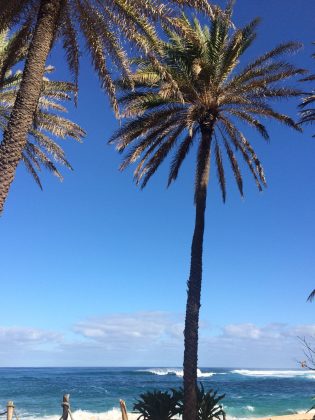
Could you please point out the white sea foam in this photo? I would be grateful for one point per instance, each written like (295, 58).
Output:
(177, 372)
(275, 373)
(250, 408)
(114, 414)
(238, 418)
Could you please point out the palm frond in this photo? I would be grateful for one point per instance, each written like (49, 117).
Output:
(180, 156)
(220, 171)
(48, 122)
(235, 167)
(311, 296)
(30, 168)
(307, 115)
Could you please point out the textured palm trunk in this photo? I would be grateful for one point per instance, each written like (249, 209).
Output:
(21, 119)
(195, 278)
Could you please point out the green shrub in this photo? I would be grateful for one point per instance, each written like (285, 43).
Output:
(208, 405)
(158, 405)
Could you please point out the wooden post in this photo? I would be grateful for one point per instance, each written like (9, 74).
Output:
(65, 407)
(123, 410)
(10, 410)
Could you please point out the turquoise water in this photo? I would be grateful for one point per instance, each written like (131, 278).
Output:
(37, 392)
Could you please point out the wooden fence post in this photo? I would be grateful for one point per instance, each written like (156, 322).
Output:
(10, 410)
(123, 410)
(65, 407)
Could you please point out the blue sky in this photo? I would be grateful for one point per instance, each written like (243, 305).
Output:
(94, 271)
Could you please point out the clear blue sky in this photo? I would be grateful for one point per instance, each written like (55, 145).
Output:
(94, 271)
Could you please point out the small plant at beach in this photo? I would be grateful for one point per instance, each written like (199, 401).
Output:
(208, 404)
(158, 405)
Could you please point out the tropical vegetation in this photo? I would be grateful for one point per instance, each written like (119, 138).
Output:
(213, 101)
(209, 404)
(41, 149)
(165, 405)
(307, 114)
(159, 405)
(102, 25)
(185, 92)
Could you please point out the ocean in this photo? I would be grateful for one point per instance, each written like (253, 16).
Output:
(95, 392)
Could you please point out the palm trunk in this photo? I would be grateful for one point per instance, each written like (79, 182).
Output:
(21, 119)
(195, 278)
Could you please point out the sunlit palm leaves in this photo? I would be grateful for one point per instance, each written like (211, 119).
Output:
(104, 24)
(41, 148)
(308, 105)
(213, 89)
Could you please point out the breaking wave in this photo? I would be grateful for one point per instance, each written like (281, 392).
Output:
(176, 372)
(275, 373)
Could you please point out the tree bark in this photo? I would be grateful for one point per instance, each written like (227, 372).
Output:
(21, 119)
(195, 278)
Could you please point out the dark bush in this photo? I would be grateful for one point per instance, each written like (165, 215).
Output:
(208, 404)
(158, 405)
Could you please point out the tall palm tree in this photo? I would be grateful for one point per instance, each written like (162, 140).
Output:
(41, 149)
(216, 98)
(102, 23)
(307, 115)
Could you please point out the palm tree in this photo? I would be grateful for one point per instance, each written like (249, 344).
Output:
(308, 114)
(102, 23)
(40, 149)
(215, 97)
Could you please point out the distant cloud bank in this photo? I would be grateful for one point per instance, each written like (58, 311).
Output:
(152, 339)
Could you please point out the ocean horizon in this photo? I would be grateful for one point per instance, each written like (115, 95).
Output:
(95, 391)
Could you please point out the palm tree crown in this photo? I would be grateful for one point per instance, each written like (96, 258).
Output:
(103, 25)
(98, 23)
(41, 148)
(203, 62)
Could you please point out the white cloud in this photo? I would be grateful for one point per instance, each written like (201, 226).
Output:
(303, 331)
(251, 345)
(153, 338)
(128, 328)
(20, 346)
(242, 331)
(27, 336)
(274, 331)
